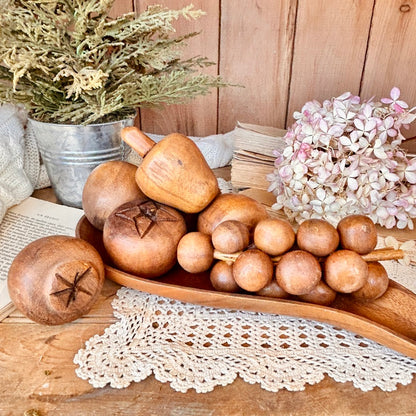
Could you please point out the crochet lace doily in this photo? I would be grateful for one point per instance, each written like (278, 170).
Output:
(199, 347)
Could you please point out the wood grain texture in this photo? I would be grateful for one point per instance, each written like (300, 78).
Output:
(329, 52)
(37, 372)
(391, 57)
(199, 117)
(255, 52)
(173, 171)
(36, 363)
(384, 322)
(121, 7)
(285, 53)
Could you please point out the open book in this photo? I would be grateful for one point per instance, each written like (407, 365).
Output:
(24, 223)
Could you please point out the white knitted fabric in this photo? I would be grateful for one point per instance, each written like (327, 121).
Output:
(20, 170)
(217, 149)
(196, 347)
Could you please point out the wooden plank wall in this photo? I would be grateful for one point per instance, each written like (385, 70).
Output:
(286, 52)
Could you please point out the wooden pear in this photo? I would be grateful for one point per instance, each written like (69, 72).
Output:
(173, 172)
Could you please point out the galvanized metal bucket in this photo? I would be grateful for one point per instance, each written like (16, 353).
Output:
(71, 152)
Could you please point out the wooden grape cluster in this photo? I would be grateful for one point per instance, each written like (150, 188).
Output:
(271, 259)
(145, 230)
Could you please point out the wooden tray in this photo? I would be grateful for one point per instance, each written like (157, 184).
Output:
(389, 320)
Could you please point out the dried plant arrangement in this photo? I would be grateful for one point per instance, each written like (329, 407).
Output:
(68, 61)
(343, 157)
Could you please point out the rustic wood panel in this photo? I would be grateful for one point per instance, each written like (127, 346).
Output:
(199, 117)
(391, 57)
(287, 52)
(329, 52)
(121, 7)
(37, 372)
(256, 52)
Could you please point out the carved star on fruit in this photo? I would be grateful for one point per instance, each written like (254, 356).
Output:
(145, 215)
(72, 288)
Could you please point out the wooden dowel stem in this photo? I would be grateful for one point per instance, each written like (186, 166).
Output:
(376, 255)
(137, 140)
(384, 254)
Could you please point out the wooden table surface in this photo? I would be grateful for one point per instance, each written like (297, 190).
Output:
(37, 372)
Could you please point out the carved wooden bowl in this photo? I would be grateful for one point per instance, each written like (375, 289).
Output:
(389, 320)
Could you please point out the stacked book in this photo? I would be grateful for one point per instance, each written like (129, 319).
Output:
(253, 159)
(253, 156)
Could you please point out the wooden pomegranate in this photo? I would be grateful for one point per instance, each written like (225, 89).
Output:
(318, 237)
(56, 279)
(345, 271)
(173, 172)
(231, 207)
(141, 237)
(195, 252)
(108, 186)
(357, 233)
(298, 272)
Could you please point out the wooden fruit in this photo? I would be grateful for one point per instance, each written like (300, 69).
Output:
(108, 186)
(273, 290)
(388, 320)
(173, 172)
(231, 207)
(298, 272)
(230, 236)
(318, 237)
(321, 294)
(345, 271)
(56, 279)
(222, 278)
(376, 284)
(274, 236)
(357, 233)
(141, 237)
(253, 270)
(195, 252)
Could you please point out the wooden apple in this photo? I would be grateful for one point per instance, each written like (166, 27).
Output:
(108, 186)
(227, 207)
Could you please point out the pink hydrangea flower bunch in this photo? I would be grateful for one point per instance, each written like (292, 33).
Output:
(343, 157)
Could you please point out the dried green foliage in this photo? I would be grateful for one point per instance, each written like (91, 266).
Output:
(67, 61)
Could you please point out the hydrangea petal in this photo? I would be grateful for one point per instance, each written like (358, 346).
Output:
(410, 176)
(395, 93)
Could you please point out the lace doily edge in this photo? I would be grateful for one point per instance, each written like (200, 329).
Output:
(299, 385)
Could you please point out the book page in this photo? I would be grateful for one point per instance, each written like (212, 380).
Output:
(26, 222)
